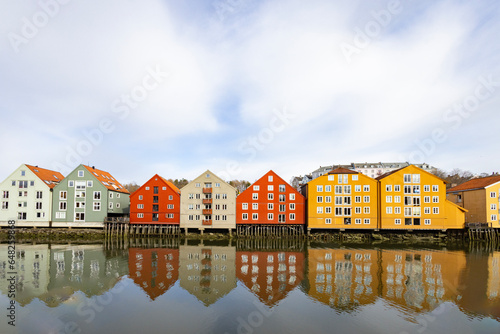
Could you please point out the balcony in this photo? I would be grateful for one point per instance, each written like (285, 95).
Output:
(206, 221)
(207, 211)
(207, 190)
(207, 201)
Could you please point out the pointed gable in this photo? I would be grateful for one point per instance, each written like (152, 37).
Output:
(49, 177)
(107, 179)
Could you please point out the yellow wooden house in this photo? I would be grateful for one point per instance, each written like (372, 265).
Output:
(342, 199)
(412, 198)
(480, 197)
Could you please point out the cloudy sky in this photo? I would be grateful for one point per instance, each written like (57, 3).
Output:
(243, 86)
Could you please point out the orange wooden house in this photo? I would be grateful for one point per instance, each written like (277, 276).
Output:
(156, 202)
(270, 201)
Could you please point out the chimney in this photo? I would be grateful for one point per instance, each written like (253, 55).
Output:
(93, 167)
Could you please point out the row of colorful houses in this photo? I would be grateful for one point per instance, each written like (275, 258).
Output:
(407, 198)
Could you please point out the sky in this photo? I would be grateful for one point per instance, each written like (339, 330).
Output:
(239, 87)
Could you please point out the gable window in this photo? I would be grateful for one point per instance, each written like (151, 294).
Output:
(39, 194)
(407, 178)
(90, 183)
(63, 195)
(493, 194)
(270, 187)
(97, 195)
(435, 188)
(80, 173)
(397, 187)
(256, 188)
(71, 183)
(270, 178)
(62, 206)
(5, 194)
(331, 177)
(319, 188)
(23, 184)
(282, 188)
(255, 195)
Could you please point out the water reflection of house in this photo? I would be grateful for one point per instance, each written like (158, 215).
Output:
(207, 272)
(270, 275)
(343, 278)
(81, 268)
(421, 279)
(155, 270)
(32, 268)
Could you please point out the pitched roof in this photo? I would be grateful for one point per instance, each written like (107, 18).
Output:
(107, 180)
(389, 173)
(399, 169)
(170, 184)
(342, 171)
(49, 177)
(478, 183)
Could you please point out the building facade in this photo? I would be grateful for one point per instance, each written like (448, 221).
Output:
(208, 202)
(270, 200)
(86, 197)
(158, 201)
(26, 196)
(481, 197)
(342, 199)
(412, 198)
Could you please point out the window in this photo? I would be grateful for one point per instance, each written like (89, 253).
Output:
(347, 211)
(269, 178)
(328, 199)
(97, 206)
(292, 197)
(255, 216)
(366, 188)
(63, 206)
(63, 195)
(427, 210)
(417, 211)
(494, 218)
(139, 215)
(5, 194)
(347, 189)
(13, 183)
(270, 206)
(190, 196)
(427, 199)
(39, 194)
(255, 206)
(388, 188)
(190, 217)
(89, 184)
(407, 178)
(23, 184)
(397, 210)
(355, 177)
(117, 205)
(170, 197)
(270, 196)
(80, 194)
(397, 199)
(407, 189)
(357, 188)
(319, 199)
(270, 187)
(244, 206)
(97, 195)
(71, 183)
(282, 197)
(147, 188)
(493, 206)
(408, 200)
(416, 178)
(60, 215)
(397, 221)
(256, 188)
(80, 173)
(255, 196)
(388, 199)
(367, 221)
(408, 211)
(366, 199)
(38, 206)
(80, 205)
(493, 194)
(197, 185)
(197, 196)
(347, 200)
(328, 209)
(282, 188)
(244, 216)
(5, 205)
(367, 209)
(23, 173)
(170, 206)
(338, 200)
(21, 215)
(328, 220)
(416, 189)
(282, 208)
(427, 188)
(357, 199)
(281, 218)
(338, 189)
(292, 206)
(357, 210)
(23, 194)
(319, 188)
(435, 210)
(357, 221)
(397, 187)
(416, 201)
(270, 216)
(338, 211)
(319, 209)
(388, 210)
(427, 221)
(140, 206)
(79, 216)
(435, 199)
(110, 205)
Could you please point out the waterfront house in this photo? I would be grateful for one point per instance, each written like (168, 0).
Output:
(342, 199)
(480, 197)
(412, 198)
(208, 202)
(270, 200)
(157, 201)
(26, 196)
(86, 197)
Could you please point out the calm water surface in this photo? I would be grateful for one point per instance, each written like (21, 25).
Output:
(153, 286)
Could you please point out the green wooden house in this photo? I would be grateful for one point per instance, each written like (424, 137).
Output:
(86, 197)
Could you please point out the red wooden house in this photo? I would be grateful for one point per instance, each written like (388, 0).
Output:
(270, 201)
(157, 201)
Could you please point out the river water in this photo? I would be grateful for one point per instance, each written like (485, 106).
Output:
(178, 286)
